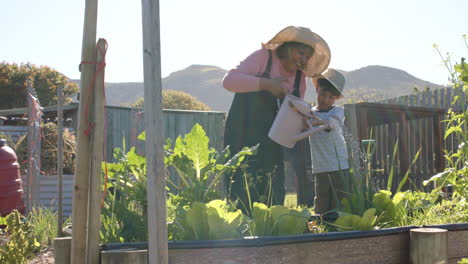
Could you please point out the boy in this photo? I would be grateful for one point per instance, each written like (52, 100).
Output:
(328, 148)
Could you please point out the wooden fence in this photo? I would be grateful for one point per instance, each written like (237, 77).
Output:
(412, 128)
(416, 121)
(441, 99)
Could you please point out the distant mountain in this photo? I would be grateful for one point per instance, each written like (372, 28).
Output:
(376, 82)
(204, 82)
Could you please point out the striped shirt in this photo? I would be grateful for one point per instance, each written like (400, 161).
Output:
(328, 149)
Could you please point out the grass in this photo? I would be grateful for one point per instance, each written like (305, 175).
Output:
(44, 221)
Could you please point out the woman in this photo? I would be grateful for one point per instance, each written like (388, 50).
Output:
(260, 82)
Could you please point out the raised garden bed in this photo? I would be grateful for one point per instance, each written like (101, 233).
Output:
(390, 245)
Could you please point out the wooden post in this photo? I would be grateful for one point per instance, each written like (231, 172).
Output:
(428, 245)
(60, 160)
(439, 142)
(34, 149)
(156, 188)
(81, 186)
(62, 248)
(354, 149)
(27, 187)
(97, 142)
(403, 146)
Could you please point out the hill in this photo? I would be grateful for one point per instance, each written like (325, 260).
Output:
(369, 83)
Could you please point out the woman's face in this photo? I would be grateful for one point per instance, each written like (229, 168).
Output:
(298, 57)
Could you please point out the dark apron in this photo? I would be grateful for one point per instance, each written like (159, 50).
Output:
(249, 120)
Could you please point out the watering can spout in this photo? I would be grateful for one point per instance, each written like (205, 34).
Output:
(310, 132)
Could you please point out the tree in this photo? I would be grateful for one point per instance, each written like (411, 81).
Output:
(173, 99)
(45, 80)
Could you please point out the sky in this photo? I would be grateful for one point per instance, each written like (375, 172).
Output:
(393, 33)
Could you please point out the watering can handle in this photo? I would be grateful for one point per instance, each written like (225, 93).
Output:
(291, 105)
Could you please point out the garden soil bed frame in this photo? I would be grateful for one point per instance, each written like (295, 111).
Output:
(391, 245)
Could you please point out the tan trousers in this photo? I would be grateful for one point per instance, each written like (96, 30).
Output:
(330, 189)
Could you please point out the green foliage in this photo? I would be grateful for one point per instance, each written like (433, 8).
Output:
(214, 220)
(278, 220)
(21, 244)
(45, 80)
(348, 222)
(44, 221)
(199, 167)
(463, 261)
(444, 212)
(456, 171)
(124, 213)
(173, 99)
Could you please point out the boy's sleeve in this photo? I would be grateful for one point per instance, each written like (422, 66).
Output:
(339, 114)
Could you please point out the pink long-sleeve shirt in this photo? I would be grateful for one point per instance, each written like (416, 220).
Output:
(243, 78)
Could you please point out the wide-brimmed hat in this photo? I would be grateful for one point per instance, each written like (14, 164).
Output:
(321, 57)
(335, 77)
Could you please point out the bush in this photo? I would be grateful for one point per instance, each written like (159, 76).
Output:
(49, 144)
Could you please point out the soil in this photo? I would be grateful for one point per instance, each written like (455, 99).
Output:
(45, 256)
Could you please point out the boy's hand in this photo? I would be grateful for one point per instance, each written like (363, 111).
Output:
(313, 121)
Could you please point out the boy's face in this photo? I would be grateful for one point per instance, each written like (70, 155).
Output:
(325, 99)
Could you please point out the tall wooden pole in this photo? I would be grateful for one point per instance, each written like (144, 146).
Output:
(97, 139)
(60, 160)
(34, 148)
(81, 186)
(156, 189)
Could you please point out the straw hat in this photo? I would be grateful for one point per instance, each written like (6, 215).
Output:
(336, 78)
(321, 57)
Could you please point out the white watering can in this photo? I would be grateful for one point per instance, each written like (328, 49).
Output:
(287, 129)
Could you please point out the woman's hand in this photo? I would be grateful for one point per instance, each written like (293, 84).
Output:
(274, 86)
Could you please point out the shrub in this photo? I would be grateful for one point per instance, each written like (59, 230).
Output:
(49, 144)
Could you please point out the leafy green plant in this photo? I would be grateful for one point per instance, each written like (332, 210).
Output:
(348, 222)
(456, 172)
(199, 167)
(21, 244)
(445, 212)
(278, 220)
(216, 219)
(124, 213)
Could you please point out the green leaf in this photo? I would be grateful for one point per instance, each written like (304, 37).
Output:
(451, 130)
(197, 149)
(347, 222)
(368, 220)
(142, 136)
(385, 207)
(196, 219)
(439, 178)
(261, 216)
